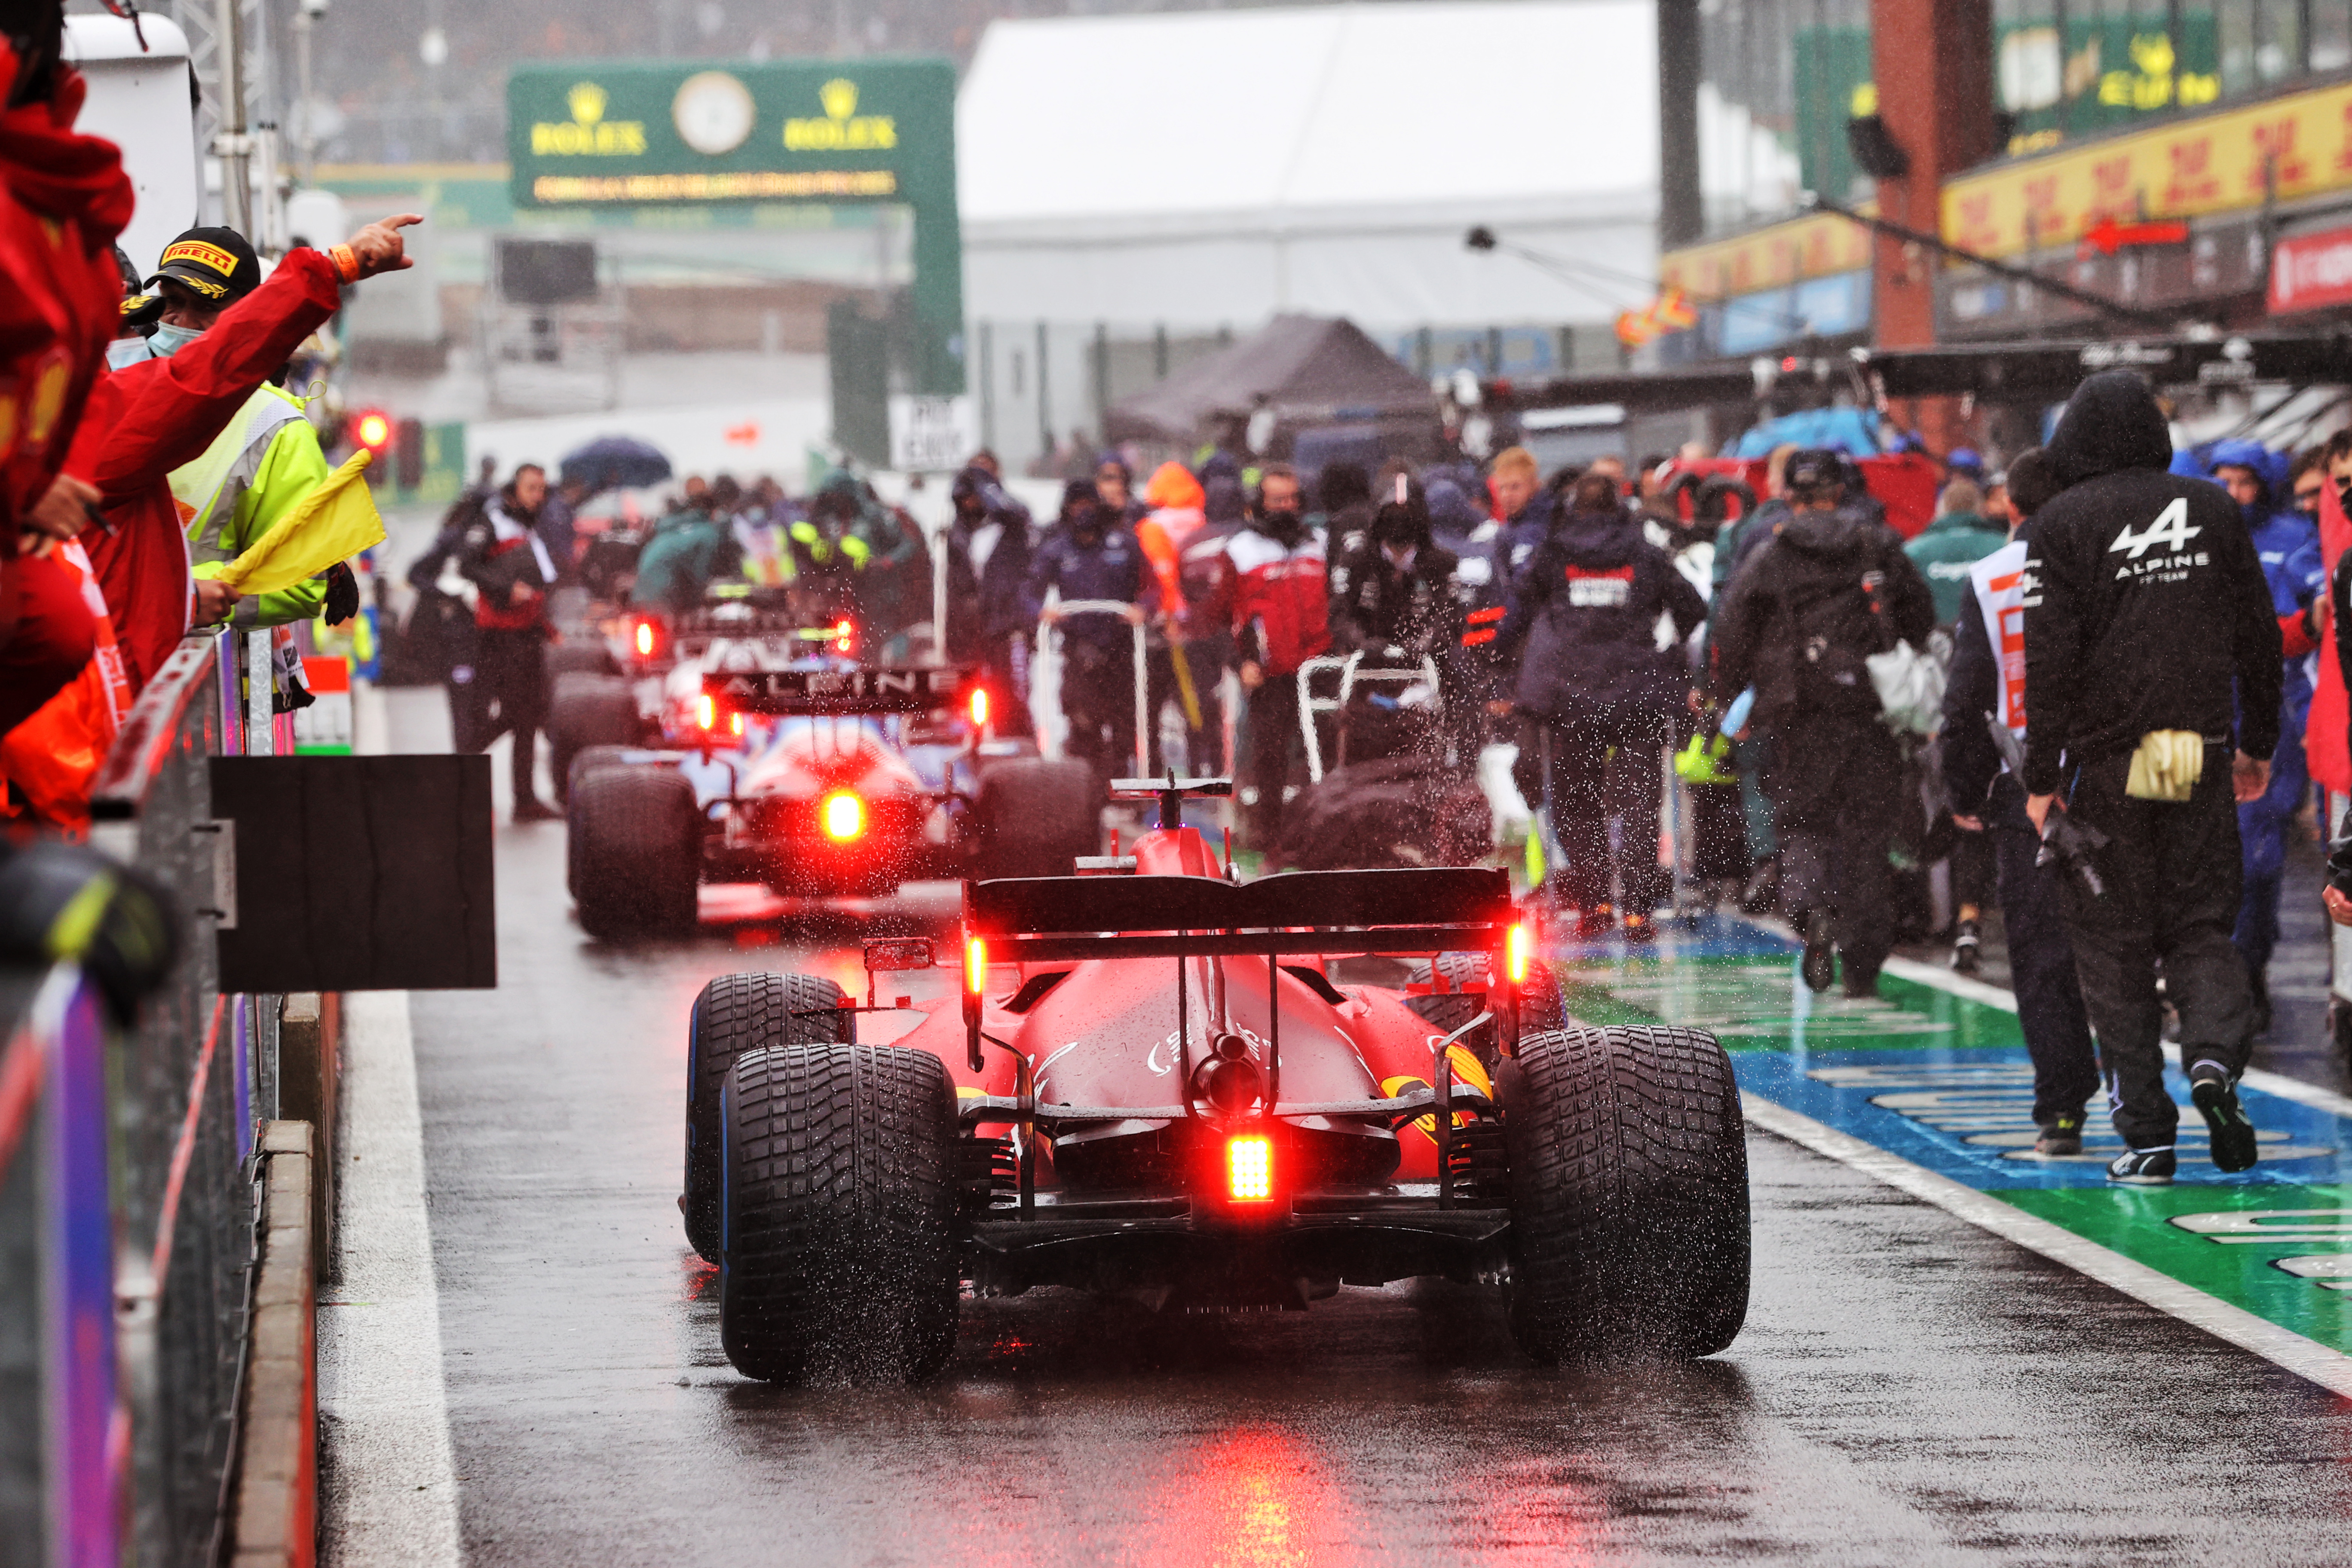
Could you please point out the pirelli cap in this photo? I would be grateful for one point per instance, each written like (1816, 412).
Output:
(217, 263)
(1812, 470)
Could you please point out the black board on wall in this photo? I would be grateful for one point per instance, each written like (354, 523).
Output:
(359, 873)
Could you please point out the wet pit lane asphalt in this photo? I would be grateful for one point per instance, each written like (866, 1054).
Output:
(1908, 1389)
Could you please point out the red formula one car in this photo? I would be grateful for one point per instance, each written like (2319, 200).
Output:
(1156, 1088)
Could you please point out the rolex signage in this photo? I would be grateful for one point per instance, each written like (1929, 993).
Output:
(602, 139)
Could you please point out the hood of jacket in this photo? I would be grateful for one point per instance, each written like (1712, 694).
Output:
(1605, 540)
(1173, 487)
(2112, 423)
(1222, 500)
(1828, 535)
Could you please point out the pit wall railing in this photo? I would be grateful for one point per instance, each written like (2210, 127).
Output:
(131, 1164)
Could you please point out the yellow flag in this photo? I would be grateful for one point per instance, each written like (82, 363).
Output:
(333, 523)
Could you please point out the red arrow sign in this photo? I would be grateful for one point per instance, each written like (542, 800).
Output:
(2107, 237)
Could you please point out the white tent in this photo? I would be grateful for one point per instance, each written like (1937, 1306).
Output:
(1216, 167)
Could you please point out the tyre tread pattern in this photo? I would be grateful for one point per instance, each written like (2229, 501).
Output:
(1629, 1179)
(839, 1258)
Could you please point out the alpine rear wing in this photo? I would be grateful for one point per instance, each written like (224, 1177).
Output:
(910, 688)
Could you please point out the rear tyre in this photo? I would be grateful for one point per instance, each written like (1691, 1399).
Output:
(1629, 1194)
(1036, 816)
(587, 709)
(635, 853)
(837, 1258)
(738, 1012)
(572, 657)
(583, 765)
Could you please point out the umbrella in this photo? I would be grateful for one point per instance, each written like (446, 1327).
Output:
(615, 462)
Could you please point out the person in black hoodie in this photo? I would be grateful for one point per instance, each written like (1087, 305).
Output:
(1394, 600)
(1986, 685)
(988, 563)
(2146, 614)
(1830, 587)
(1593, 677)
(1088, 555)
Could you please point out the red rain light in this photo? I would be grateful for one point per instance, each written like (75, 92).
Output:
(975, 964)
(644, 639)
(706, 711)
(977, 707)
(1249, 1168)
(1515, 953)
(844, 815)
(845, 634)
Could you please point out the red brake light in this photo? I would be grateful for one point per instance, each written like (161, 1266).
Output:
(706, 711)
(1249, 1168)
(844, 635)
(1515, 953)
(734, 724)
(844, 815)
(977, 707)
(644, 639)
(975, 964)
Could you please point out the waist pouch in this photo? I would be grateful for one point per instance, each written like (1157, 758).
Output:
(2167, 765)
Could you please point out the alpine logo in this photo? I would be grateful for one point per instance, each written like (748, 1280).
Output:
(1610, 590)
(2170, 530)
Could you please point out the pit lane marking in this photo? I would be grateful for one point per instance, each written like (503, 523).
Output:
(2305, 1357)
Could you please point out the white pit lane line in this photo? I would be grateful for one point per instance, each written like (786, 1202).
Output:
(389, 1492)
(2305, 1357)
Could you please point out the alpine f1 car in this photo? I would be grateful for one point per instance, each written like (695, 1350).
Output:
(1155, 1087)
(753, 748)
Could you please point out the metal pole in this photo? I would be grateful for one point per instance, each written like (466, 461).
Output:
(1142, 708)
(939, 591)
(309, 140)
(232, 146)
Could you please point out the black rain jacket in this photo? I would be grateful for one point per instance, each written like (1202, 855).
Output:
(2144, 597)
(1588, 602)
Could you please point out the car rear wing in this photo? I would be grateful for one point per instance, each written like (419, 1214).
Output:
(912, 688)
(1406, 910)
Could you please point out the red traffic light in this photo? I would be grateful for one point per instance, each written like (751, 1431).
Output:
(371, 428)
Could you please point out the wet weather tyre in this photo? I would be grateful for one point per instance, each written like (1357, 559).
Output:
(837, 1258)
(1629, 1194)
(635, 853)
(738, 1013)
(583, 765)
(1036, 816)
(578, 658)
(587, 709)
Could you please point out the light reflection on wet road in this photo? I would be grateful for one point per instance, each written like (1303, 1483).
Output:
(1908, 1389)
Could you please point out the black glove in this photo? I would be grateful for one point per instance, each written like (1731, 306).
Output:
(128, 951)
(343, 592)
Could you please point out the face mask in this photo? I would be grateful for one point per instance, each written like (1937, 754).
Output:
(124, 351)
(169, 340)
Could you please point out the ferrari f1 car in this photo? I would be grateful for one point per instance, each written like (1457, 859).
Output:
(1156, 1088)
(752, 749)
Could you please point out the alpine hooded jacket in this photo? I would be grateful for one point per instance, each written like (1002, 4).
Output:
(2145, 601)
(1588, 602)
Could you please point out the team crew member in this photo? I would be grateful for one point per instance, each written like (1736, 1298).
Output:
(1182, 545)
(1588, 605)
(1945, 551)
(988, 549)
(509, 564)
(2145, 601)
(1273, 593)
(1829, 589)
(1088, 557)
(2286, 543)
(266, 459)
(1987, 687)
(689, 548)
(1395, 600)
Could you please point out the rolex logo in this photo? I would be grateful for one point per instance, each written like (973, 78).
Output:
(842, 129)
(839, 97)
(587, 102)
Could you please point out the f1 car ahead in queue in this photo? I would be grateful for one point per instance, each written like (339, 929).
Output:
(1155, 1088)
(740, 745)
